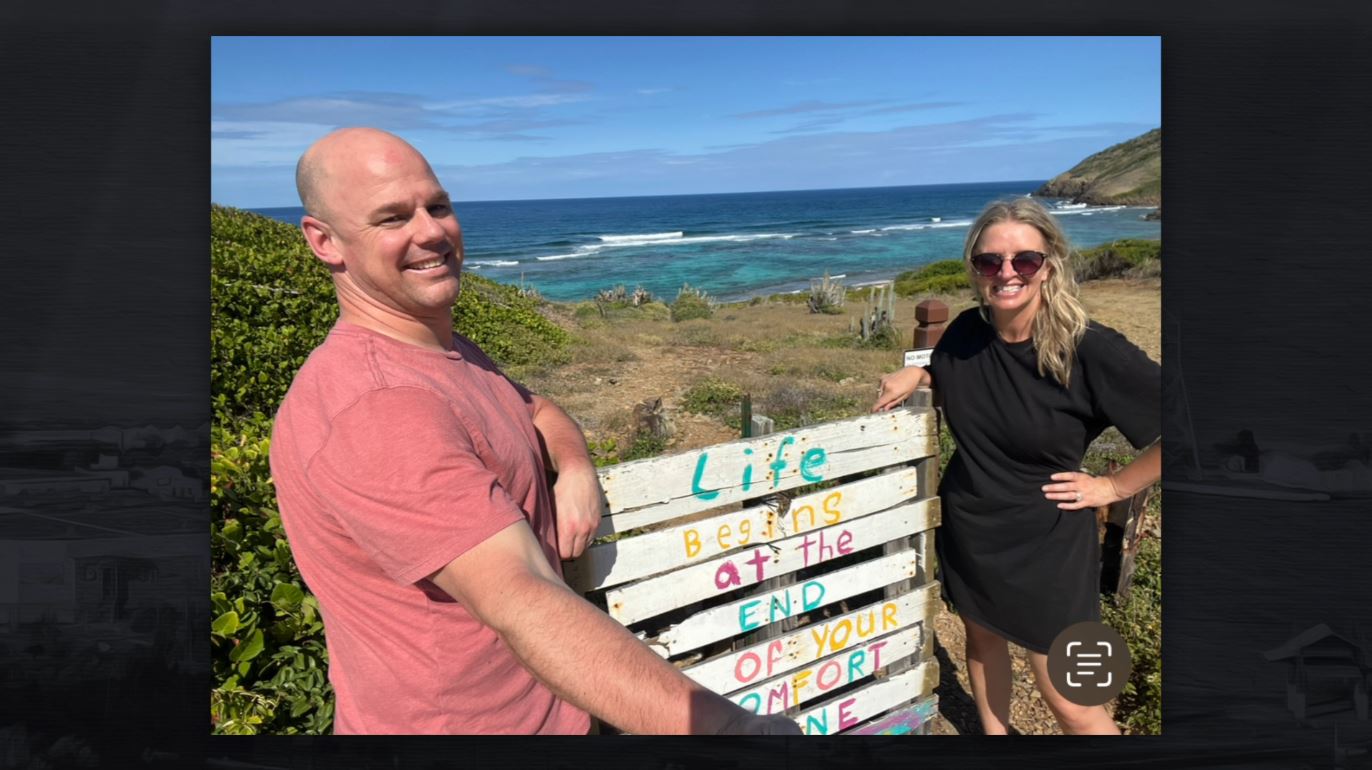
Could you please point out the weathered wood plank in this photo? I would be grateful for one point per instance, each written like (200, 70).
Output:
(656, 595)
(788, 602)
(648, 491)
(907, 720)
(735, 670)
(609, 564)
(772, 630)
(850, 709)
(822, 676)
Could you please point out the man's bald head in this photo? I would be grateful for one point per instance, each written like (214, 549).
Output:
(318, 163)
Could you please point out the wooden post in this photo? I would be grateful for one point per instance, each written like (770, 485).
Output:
(928, 483)
(762, 426)
(1119, 530)
(931, 317)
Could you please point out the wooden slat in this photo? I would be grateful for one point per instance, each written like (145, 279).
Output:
(850, 709)
(648, 491)
(913, 719)
(609, 564)
(822, 676)
(656, 595)
(790, 601)
(736, 670)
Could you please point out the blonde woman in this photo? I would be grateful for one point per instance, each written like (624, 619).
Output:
(1027, 382)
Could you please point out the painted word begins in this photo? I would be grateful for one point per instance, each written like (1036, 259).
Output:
(826, 676)
(729, 536)
(727, 575)
(810, 462)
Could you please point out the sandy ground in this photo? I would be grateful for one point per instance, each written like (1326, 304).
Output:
(766, 348)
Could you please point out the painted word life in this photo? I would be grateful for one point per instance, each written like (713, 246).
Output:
(810, 463)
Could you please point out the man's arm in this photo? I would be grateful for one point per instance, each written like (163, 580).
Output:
(577, 496)
(581, 653)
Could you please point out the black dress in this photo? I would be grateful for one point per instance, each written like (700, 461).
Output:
(1009, 559)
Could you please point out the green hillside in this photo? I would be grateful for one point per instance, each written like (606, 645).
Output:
(1128, 173)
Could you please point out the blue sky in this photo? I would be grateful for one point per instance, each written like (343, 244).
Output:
(507, 118)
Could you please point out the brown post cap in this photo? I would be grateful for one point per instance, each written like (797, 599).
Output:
(931, 311)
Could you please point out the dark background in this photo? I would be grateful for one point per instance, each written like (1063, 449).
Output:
(105, 321)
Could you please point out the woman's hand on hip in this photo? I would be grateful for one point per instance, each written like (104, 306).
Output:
(897, 386)
(1075, 490)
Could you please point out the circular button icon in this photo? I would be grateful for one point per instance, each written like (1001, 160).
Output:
(1089, 663)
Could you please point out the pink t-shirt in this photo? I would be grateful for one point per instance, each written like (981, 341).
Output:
(390, 461)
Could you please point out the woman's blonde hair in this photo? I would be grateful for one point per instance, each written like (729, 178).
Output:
(1060, 322)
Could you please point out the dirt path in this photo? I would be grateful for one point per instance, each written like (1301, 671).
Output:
(626, 362)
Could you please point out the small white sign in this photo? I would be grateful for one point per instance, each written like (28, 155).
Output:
(918, 357)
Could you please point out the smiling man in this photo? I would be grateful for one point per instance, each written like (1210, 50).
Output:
(412, 480)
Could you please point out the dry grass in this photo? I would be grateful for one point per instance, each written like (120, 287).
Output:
(797, 366)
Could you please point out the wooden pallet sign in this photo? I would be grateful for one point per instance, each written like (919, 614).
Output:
(692, 546)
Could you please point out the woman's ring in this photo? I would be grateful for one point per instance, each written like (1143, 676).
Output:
(1078, 497)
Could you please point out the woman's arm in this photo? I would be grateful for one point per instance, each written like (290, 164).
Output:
(1075, 490)
(897, 386)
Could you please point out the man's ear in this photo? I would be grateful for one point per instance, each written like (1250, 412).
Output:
(321, 239)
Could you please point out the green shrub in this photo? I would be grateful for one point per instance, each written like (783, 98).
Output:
(271, 303)
(655, 311)
(645, 445)
(268, 655)
(827, 295)
(1139, 620)
(944, 277)
(1125, 257)
(795, 405)
(712, 396)
(885, 338)
(692, 303)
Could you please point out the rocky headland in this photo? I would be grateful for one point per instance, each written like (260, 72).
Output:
(1129, 173)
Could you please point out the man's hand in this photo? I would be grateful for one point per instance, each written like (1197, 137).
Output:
(576, 494)
(752, 724)
(578, 501)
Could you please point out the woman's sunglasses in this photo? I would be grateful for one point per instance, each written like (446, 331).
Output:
(1026, 263)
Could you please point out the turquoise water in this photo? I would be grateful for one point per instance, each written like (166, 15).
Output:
(739, 245)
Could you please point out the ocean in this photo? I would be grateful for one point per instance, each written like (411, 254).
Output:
(740, 245)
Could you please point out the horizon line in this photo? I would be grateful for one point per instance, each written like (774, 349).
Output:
(685, 195)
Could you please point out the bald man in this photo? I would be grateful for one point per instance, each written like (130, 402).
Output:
(411, 477)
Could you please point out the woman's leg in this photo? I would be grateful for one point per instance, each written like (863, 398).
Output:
(1074, 719)
(988, 666)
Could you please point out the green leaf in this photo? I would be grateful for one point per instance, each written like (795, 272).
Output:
(287, 596)
(233, 530)
(225, 624)
(249, 648)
